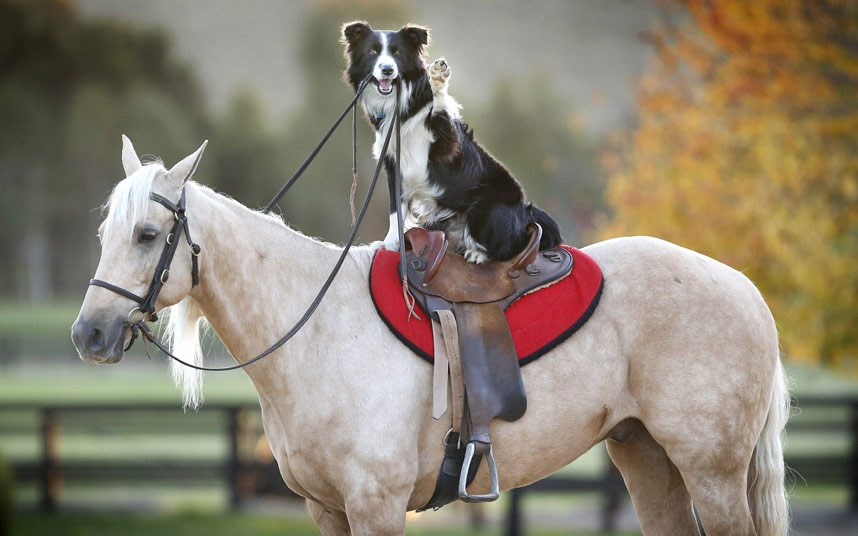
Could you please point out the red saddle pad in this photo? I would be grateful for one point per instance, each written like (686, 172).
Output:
(539, 321)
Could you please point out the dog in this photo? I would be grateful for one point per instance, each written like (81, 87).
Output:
(449, 182)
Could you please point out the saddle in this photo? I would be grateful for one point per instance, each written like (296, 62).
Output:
(473, 344)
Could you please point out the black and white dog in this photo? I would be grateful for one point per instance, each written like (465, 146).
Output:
(449, 182)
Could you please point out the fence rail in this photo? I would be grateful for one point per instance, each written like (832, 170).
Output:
(245, 476)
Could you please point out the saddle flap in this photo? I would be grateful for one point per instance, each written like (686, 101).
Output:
(490, 366)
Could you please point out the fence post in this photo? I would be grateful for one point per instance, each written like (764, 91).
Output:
(613, 492)
(51, 480)
(853, 456)
(513, 512)
(234, 463)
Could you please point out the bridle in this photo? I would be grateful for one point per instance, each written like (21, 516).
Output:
(146, 305)
(162, 270)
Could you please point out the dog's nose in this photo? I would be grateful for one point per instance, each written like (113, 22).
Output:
(86, 336)
(387, 70)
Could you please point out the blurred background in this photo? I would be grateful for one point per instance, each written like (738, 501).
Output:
(727, 127)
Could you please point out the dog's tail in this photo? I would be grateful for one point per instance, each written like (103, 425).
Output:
(550, 230)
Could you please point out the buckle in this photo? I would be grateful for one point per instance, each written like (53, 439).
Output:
(165, 275)
(463, 477)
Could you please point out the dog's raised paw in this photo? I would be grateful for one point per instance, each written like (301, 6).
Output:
(439, 76)
(476, 256)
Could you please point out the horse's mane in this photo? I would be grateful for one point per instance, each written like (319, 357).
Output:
(125, 208)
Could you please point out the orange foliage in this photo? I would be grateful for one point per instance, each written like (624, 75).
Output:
(746, 149)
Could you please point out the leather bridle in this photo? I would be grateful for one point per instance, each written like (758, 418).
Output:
(162, 271)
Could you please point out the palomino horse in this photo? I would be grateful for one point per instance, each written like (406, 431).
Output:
(678, 369)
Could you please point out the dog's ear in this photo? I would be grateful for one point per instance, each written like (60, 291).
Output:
(354, 31)
(419, 35)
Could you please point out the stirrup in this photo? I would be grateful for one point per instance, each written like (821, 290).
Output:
(463, 477)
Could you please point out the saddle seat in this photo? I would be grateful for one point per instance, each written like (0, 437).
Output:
(473, 343)
(434, 271)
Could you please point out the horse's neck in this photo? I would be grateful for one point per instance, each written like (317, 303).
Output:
(257, 276)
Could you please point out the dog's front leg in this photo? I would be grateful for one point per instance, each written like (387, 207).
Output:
(445, 110)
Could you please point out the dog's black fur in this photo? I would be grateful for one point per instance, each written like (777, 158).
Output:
(473, 184)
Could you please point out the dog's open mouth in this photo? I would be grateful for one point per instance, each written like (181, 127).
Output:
(384, 86)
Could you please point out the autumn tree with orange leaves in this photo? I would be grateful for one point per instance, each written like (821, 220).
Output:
(746, 149)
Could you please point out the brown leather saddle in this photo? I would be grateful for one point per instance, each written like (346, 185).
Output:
(473, 343)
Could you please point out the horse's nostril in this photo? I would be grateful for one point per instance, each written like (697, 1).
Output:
(96, 339)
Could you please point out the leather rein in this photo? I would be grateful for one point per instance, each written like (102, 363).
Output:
(146, 304)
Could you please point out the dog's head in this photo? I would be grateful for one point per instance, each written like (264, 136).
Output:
(385, 54)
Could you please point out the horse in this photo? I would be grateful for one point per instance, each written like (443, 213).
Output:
(678, 369)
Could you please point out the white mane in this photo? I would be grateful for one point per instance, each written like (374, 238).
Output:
(127, 206)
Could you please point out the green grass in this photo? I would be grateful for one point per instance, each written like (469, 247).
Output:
(193, 524)
(37, 320)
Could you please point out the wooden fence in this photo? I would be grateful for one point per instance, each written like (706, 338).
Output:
(244, 475)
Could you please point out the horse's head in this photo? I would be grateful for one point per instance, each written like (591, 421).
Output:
(133, 237)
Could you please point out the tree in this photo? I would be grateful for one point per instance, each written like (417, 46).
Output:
(539, 139)
(745, 149)
(68, 89)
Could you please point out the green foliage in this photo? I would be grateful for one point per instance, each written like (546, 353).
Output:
(537, 136)
(68, 89)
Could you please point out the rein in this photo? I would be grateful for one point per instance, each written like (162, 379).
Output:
(162, 272)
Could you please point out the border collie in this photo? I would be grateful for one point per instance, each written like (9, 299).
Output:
(449, 182)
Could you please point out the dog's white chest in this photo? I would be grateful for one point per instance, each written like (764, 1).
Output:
(417, 192)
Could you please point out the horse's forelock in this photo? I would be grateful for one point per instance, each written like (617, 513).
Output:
(128, 204)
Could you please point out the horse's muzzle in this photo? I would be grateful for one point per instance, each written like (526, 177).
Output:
(98, 342)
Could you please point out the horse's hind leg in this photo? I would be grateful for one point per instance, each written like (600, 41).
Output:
(722, 503)
(658, 492)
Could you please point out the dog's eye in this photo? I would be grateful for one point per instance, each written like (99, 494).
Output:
(147, 235)
(373, 52)
(396, 52)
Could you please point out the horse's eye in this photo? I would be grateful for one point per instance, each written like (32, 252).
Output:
(147, 235)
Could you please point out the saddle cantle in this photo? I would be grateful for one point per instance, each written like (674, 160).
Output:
(466, 302)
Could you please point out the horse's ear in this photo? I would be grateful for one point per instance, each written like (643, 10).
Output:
(130, 160)
(354, 31)
(184, 169)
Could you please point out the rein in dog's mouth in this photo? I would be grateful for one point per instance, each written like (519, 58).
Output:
(384, 85)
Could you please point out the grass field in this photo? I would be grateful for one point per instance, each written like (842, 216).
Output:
(80, 524)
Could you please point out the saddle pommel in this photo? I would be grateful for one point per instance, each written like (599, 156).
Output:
(428, 248)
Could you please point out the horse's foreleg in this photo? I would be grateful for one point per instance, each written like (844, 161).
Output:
(377, 514)
(330, 523)
(658, 493)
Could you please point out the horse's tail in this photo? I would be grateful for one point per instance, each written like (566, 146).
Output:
(767, 495)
